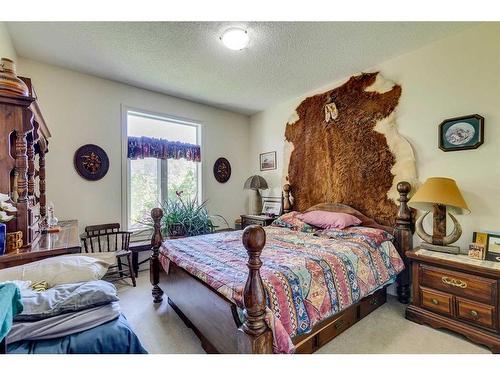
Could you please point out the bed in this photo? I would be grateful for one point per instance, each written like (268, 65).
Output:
(113, 337)
(79, 316)
(243, 291)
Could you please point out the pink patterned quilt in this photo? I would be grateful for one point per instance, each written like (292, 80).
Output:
(307, 277)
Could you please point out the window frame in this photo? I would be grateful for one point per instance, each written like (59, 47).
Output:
(162, 164)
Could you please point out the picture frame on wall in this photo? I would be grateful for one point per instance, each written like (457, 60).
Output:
(267, 161)
(461, 133)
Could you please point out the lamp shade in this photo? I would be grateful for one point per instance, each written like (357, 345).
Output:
(255, 182)
(439, 190)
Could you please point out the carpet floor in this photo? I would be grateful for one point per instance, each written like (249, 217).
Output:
(385, 331)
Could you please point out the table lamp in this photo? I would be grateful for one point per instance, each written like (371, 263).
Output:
(255, 183)
(441, 196)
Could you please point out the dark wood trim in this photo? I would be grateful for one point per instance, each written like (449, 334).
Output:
(42, 186)
(156, 241)
(403, 236)
(23, 134)
(422, 316)
(205, 344)
(286, 197)
(254, 335)
(469, 268)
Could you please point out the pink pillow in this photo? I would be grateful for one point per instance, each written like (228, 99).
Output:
(329, 220)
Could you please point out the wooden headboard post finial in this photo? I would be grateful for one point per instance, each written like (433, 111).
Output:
(287, 203)
(254, 336)
(154, 268)
(404, 240)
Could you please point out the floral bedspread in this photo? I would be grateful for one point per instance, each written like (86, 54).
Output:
(307, 277)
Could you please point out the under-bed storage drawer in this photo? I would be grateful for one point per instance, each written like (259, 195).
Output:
(326, 331)
(460, 284)
(372, 302)
(339, 325)
(437, 301)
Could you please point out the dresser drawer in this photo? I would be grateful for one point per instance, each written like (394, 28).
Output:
(460, 284)
(476, 313)
(437, 301)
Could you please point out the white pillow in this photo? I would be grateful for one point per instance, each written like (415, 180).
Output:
(58, 270)
(106, 256)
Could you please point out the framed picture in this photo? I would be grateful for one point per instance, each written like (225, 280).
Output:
(480, 238)
(271, 206)
(477, 251)
(268, 161)
(461, 133)
(493, 250)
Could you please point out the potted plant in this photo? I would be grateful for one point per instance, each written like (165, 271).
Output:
(185, 217)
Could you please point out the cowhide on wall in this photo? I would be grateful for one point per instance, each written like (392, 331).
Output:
(343, 146)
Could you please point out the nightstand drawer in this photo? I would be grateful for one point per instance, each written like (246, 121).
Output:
(253, 222)
(460, 284)
(437, 301)
(477, 313)
(261, 220)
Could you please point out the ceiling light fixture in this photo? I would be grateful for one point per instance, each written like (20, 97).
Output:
(235, 38)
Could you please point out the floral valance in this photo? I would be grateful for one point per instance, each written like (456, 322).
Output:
(145, 147)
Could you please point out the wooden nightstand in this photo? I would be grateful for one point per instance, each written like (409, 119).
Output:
(457, 293)
(261, 220)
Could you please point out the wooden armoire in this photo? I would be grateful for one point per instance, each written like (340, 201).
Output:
(23, 145)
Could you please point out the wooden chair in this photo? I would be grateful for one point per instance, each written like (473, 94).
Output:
(109, 238)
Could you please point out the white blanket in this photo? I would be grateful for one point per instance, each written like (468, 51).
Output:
(64, 324)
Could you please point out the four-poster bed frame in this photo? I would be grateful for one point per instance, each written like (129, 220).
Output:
(215, 319)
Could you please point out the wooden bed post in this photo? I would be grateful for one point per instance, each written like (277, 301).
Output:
(404, 241)
(287, 203)
(154, 266)
(254, 336)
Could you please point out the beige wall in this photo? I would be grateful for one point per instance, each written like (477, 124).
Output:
(456, 76)
(80, 109)
(6, 47)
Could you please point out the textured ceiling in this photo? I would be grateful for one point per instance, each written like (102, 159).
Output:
(187, 59)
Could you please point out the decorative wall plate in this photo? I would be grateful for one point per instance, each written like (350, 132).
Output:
(461, 133)
(91, 162)
(222, 170)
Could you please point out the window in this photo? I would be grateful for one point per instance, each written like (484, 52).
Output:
(151, 181)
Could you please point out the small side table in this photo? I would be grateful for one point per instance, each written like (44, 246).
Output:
(457, 293)
(261, 220)
(136, 248)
